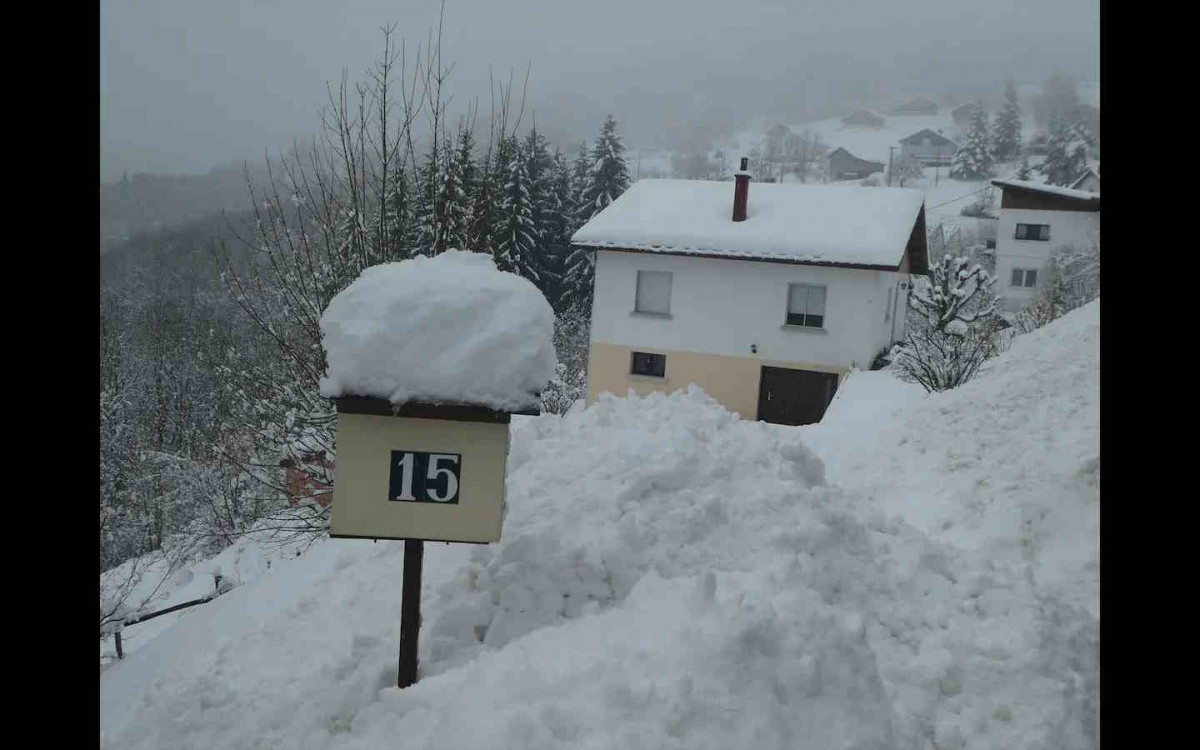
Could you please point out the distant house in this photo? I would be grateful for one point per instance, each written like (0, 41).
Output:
(766, 312)
(779, 137)
(928, 147)
(1089, 181)
(962, 115)
(303, 489)
(863, 118)
(1036, 220)
(844, 165)
(918, 105)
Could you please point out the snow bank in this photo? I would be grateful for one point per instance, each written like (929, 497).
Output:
(670, 576)
(450, 328)
(1007, 465)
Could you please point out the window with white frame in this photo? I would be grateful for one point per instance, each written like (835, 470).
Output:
(1024, 277)
(806, 305)
(1040, 232)
(653, 292)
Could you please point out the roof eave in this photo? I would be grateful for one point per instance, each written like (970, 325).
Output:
(732, 256)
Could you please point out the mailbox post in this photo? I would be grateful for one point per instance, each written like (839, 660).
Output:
(418, 472)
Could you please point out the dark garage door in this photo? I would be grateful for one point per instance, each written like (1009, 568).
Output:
(794, 396)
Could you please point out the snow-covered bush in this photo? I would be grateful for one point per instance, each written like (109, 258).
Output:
(1070, 279)
(955, 332)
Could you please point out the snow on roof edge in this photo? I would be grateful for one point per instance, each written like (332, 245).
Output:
(1048, 189)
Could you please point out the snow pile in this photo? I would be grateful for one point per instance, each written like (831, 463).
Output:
(1008, 464)
(671, 576)
(814, 223)
(451, 328)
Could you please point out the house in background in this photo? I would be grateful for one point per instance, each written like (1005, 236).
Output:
(863, 118)
(303, 489)
(918, 105)
(844, 165)
(928, 148)
(764, 298)
(779, 138)
(1089, 181)
(961, 115)
(1036, 220)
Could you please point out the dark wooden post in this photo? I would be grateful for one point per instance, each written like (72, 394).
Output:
(410, 612)
(120, 651)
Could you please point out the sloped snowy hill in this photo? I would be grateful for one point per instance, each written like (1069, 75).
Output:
(670, 577)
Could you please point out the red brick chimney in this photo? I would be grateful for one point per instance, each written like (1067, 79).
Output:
(741, 191)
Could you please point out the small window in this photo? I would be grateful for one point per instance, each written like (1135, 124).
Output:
(1039, 232)
(653, 292)
(650, 365)
(1024, 277)
(806, 305)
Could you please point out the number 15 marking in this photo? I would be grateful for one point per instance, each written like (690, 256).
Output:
(417, 477)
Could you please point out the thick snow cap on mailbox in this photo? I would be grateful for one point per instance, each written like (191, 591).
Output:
(449, 329)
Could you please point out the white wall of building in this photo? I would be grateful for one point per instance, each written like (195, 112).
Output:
(723, 306)
(1066, 228)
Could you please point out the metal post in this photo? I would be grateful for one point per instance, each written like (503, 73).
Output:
(410, 612)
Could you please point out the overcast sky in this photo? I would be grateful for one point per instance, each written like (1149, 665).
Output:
(187, 84)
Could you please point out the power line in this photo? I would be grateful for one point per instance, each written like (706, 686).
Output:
(952, 200)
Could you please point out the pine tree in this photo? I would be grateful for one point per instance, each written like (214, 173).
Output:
(606, 178)
(427, 213)
(1060, 163)
(1024, 171)
(556, 235)
(459, 188)
(581, 171)
(1007, 144)
(538, 167)
(398, 212)
(609, 175)
(516, 250)
(974, 159)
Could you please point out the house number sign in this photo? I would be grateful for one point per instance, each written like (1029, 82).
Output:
(418, 477)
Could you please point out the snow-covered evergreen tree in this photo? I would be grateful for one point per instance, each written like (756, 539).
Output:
(1007, 143)
(973, 160)
(429, 190)
(609, 175)
(1024, 171)
(556, 236)
(1060, 163)
(458, 191)
(398, 212)
(516, 250)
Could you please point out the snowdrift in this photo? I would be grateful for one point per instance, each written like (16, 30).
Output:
(670, 577)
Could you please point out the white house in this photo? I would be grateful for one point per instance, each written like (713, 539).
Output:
(765, 300)
(1036, 220)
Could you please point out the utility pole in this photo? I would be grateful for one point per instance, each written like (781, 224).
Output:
(890, 150)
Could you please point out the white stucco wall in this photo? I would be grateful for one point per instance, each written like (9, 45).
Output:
(1066, 228)
(722, 306)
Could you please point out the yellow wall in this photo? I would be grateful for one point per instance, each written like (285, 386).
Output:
(732, 381)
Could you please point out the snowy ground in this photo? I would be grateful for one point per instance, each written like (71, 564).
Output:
(915, 572)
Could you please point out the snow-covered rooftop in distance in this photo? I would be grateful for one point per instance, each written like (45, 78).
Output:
(798, 223)
(1050, 189)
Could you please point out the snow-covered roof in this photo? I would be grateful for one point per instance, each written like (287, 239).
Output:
(1088, 172)
(932, 135)
(1049, 189)
(812, 224)
(447, 329)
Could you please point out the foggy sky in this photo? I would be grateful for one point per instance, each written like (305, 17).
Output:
(185, 85)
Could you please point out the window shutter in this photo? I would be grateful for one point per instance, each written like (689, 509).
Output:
(1031, 277)
(1018, 277)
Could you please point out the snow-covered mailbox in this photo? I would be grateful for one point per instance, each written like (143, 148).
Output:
(427, 361)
